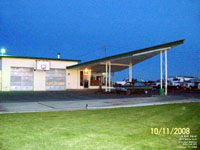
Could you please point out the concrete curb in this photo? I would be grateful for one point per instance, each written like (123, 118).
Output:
(141, 105)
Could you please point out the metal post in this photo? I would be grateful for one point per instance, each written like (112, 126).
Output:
(130, 72)
(165, 72)
(109, 76)
(161, 75)
(106, 75)
(105, 50)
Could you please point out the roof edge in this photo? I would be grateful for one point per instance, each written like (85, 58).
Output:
(170, 44)
(43, 58)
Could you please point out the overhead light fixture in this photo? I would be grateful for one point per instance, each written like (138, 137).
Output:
(86, 70)
(3, 51)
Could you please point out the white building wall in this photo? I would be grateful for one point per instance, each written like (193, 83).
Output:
(73, 79)
(72, 75)
(0, 74)
(39, 81)
(39, 76)
(0, 64)
(5, 75)
(0, 80)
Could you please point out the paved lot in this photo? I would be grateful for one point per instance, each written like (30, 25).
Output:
(85, 99)
(6, 97)
(62, 96)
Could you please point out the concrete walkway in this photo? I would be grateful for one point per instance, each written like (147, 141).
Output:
(44, 106)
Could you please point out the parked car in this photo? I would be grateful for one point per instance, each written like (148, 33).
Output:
(133, 87)
(196, 84)
(157, 84)
(175, 82)
(149, 83)
(188, 85)
(123, 82)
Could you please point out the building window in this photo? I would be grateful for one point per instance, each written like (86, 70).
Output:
(81, 78)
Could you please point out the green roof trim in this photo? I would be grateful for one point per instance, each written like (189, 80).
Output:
(171, 44)
(42, 58)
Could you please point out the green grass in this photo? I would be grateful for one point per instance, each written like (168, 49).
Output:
(109, 129)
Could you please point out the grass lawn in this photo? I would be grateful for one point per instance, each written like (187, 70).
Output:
(109, 129)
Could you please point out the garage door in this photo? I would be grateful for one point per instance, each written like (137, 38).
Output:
(55, 80)
(21, 79)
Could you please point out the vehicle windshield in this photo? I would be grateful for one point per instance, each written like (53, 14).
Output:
(176, 80)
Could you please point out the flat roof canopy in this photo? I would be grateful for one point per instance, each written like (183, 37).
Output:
(122, 61)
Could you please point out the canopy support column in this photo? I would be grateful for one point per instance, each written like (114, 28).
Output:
(161, 72)
(165, 72)
(130, 72)
(109, 76)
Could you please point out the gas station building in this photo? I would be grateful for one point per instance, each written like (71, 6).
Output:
(49, 74)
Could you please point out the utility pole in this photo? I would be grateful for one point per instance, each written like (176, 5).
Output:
(105, 49)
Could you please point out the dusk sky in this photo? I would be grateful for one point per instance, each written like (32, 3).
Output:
(79, 29)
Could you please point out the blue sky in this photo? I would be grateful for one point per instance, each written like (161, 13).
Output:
(79, 30)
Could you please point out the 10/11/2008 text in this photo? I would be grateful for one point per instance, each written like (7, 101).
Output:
(168, 131)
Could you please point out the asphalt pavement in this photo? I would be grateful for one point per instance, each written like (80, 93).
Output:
(18, 102)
